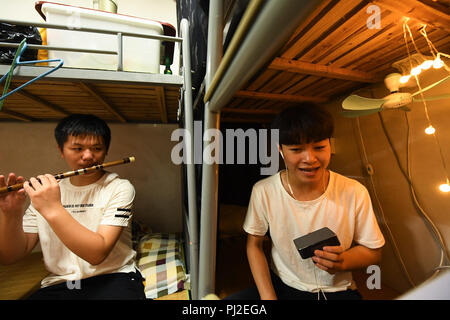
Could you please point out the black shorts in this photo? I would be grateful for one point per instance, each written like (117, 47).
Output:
(285, 292)
(113, 286)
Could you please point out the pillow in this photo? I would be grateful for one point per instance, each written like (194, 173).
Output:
(160, 260)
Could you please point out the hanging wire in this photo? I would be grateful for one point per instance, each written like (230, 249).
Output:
(430, 44)
(380, 207)
(405, 26)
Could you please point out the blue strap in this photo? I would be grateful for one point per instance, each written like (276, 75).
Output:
(16, 62)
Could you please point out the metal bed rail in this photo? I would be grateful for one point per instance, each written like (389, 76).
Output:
(118, 33)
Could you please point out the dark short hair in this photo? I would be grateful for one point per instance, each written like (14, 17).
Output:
(303, 123)
(79, 125)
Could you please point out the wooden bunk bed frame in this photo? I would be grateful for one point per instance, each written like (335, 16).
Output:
(286, 52)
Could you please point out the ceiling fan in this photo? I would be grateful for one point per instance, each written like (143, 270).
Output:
(355, 106)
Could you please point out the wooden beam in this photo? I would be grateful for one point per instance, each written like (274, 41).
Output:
(16, 115)
(101, 100)
(249, 120)
(41, 102)
(278, 97)
(161, 98)
(301, 67)
(250, 111)
(424, 11)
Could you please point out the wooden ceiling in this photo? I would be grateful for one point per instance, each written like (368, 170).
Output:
(50, 100)
(334, 52)
(331, 53)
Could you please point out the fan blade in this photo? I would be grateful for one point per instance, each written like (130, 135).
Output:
(354, 102)
(431, 86)
(359, 113)
(440, 97)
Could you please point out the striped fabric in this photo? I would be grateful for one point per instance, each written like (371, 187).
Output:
(161, 263)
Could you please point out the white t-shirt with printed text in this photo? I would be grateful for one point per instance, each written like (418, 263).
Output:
(107, 201)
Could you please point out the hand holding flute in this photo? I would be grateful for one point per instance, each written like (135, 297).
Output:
(17, 186)
(12, 202)
(44, 188)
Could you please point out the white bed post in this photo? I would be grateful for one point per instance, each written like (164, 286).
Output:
(210, 172)
(191, 188)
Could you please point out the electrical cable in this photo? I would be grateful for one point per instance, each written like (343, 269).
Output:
(393, 241)
(407, 174)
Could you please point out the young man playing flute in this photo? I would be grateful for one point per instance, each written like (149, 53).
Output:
(83, 223)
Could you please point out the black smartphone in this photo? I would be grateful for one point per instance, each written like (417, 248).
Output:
(316, 240)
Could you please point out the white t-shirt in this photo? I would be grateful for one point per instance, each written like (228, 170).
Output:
(107, 201)
(344, 207)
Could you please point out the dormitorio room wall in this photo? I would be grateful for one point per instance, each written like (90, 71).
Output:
(29, 149)
(411, 254)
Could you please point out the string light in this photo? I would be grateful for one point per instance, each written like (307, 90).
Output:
(445, 187)
(430, 130)
(437, 63)
(427, 64)
(405, 79)
(416, 71)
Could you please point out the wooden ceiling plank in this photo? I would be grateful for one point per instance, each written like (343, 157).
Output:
(261, 80)
(101, 100)
(282, 82)
(41, 102)
(358, 46)
(379, 60)
(16, 115)
(349, 31)
(321, 70)
(162, 104)
(297, 89)
(422, 11)
(327, 21)
(315, 15)
(243, 120)
(400, 52)
(277, 97)
(330, 88)
(249, 111)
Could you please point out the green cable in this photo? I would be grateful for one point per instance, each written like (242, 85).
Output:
(11, 70)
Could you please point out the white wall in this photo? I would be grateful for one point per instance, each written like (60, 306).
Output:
(160, 10)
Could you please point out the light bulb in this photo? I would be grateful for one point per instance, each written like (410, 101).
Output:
(415, 71)
(430, 130)
(438, 63)
(426, 64)
(404, 79)
(445, 187)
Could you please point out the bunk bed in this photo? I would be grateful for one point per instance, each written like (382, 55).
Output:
(282, 52)
(285, 52)
(116, 96)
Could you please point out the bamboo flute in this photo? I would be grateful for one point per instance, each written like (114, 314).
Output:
(68, 174)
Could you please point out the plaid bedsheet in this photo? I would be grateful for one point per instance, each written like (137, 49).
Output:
(161, 263)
